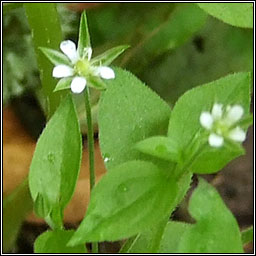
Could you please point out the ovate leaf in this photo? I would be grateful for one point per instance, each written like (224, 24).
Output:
(146, 242)
(127, 200)
(216, 229)
(160, 146)
(185, 127)
(172, 234)
(150, 240)
(56, 162)
(56, 242)
(128, 113)
(84, 36)
(236, 14)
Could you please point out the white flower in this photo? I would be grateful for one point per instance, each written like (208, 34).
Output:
(221, 124)
(80, 67)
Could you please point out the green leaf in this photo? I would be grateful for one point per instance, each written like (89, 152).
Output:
(84, 36)
(106, 58)
(184, 126)
(96, 82)
(163, 32)
(136, 113)
(216, 229)
(46, 32)
(172, 234)
(56, 163)
(16, 207)
(127, 200)
(42, 206)
(159, 146)
(236, 14)
(63, 84)
(247, 235)
(56, 242)
(56, 58)
(177, 29)
(11, 6)
(146, 242)
(149, 241)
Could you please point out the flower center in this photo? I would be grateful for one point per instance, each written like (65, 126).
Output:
(82, 68)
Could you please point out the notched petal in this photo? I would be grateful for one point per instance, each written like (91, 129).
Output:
(69, 49)
(78, 84)
(106, 72)
(62, 71)
(237, 134)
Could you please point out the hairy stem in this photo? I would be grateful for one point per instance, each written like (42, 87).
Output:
(90, 139)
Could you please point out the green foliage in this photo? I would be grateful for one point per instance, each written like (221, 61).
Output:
(55, 164)
(186, 130)
(236, 14)
(247, 235)
(150, 151)
(84, 36)
(109, 56)
(55, 57)
(159, 146)
(146, 242)
(127, 200)
(172, 234)
(150, 240)
(63, 84)
(216, 229)
(215, 51)
(46, 32)
(18, 202)
(55, 242)
(138, 114)
(19, 65)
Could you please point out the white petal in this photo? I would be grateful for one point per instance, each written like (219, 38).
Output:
(237, 134)
(87, 53)
(69, 48)
(215, 140)
(206, 120)
(62, 71)
(78, 84)
(234, 114)
(217, 111)
(106, 72)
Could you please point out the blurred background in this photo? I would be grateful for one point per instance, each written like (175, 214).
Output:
(174, 47)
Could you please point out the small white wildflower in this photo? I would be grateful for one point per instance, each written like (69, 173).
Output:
(220, 124)
(79, 71)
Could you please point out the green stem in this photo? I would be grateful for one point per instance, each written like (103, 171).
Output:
(90, 139)
(180, 170)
